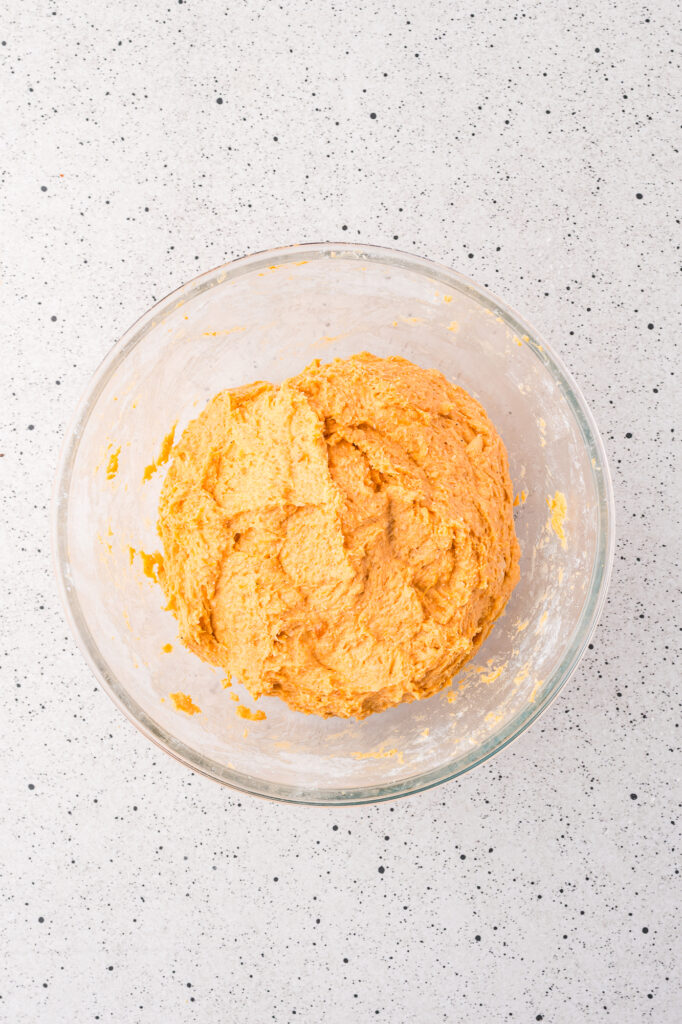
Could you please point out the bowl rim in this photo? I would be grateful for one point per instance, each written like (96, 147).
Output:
(286, 793)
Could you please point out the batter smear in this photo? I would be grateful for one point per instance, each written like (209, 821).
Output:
(344, 541)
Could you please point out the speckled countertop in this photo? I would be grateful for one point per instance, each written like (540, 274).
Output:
(531, 147)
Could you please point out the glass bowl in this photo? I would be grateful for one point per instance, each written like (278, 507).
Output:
(266, 316)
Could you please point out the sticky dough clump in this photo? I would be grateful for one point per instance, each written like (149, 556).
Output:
(344, 541)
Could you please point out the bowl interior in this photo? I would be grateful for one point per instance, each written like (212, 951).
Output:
(266, 317)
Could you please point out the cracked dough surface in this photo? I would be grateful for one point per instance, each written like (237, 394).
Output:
(343, 541)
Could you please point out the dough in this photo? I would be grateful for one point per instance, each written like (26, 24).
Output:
(344, 541)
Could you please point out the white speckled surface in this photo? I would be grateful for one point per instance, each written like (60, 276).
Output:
(532, 148)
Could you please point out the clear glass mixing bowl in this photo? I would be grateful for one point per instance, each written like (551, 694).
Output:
(266, 316)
